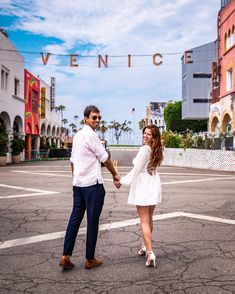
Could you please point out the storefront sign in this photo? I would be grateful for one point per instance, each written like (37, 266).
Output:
(43, 102)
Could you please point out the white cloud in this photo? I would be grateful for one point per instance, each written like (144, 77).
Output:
(117, 27)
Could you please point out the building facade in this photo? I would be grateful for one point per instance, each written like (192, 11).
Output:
(196, 81)
(222, 109)
(12, 104)
(50, 134)
(155, 115)
(32, 114)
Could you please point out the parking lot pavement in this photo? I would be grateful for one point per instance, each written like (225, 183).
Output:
(194, 234)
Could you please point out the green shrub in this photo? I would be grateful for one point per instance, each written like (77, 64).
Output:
(59, 152)
(172, 140)
(3, 141)
(17, 145)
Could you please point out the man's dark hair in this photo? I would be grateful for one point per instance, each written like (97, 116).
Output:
(89, 109)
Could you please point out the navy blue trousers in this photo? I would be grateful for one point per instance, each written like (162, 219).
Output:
(91, 200)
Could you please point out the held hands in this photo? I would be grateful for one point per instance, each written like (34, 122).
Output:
(117, 184)
(116, 180)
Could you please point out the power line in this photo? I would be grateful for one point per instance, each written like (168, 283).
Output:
(95, 56)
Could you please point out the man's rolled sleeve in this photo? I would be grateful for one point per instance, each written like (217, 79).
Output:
(98, 149)
(103, 156)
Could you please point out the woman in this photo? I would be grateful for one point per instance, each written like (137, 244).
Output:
(145, 191)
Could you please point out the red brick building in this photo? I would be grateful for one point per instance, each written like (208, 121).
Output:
(222, 109)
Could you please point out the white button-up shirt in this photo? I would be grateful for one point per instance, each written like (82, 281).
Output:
(87, 155)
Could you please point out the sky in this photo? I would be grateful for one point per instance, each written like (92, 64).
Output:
(117, 29)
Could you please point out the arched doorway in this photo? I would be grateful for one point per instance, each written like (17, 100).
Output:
(5, 119)
(227, 131)
(18, 126)
(215, 128)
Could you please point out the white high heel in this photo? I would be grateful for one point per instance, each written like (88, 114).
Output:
(151, 259)
(142, 250)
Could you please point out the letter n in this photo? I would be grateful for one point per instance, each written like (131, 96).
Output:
(102, 61)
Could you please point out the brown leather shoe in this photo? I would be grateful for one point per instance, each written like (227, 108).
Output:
(65, 262)
(90, 263)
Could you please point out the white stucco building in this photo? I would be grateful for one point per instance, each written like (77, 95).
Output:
(50, 120)
(155, 115)
(12, 105)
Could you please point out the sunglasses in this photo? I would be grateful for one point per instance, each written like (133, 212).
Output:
(95, 117)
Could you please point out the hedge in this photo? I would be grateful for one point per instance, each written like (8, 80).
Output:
(60, 152)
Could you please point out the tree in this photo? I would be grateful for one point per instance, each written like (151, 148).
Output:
(64, 121)
(61, 109)
(174, 122)
(102, 128)
(76, 120)
(82, 122)
(3, 141)
(172, 140)
(127, 129)
(73, 127)
(141, 123)
(17, 145)
(118, 128)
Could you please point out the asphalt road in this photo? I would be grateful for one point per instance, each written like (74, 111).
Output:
(193, 239)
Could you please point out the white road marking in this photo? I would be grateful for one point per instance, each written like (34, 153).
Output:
(214, 178)
(175, 174)
(110, 226)
(199, 180)
(209, 218)
(41, 173)
(40, 166)
(192, 174)
(188, 181)
(37, 192)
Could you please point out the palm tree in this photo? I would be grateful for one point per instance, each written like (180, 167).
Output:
(64, 121)
(60, 108)
(82, 122)
(118, 128)
(102, 128)
(127, 130)
(76, 120)
(73, 127)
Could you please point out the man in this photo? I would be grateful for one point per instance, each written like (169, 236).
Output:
(88, 191)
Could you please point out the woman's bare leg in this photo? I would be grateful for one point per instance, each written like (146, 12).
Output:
(151, 211)
(143, 212)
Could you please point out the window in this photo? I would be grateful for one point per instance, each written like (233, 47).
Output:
(16, 87)
(201, 100)
(202, 75)
(229, 79)
(225, 42)
(229, 39)
(34, 101)
(4, 78)
(233, 36)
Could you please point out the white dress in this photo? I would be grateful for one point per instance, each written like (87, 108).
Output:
(145, 189)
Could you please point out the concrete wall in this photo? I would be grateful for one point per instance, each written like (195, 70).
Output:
(192, 158)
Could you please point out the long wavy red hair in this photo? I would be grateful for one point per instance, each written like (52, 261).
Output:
(156, 155)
